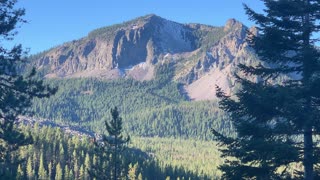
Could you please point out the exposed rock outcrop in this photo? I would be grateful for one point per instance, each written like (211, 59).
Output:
(113, 49)
(203, 56)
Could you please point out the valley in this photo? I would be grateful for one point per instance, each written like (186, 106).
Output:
(163, 84)
(87, 91)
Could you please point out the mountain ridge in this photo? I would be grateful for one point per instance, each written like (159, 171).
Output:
(202, 55)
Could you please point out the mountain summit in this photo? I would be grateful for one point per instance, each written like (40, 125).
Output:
(201, 55)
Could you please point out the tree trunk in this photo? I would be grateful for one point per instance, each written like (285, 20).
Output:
(308, 154)
(115, 158)
(307, 134)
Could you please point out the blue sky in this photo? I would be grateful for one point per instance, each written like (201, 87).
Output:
(51, 23)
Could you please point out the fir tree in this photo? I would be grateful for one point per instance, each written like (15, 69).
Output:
(76, 169)
(59, 173)
(87, 166)
(94, 160)
(115, 143)
(71, 174)
(61, 151)
(50, 167)
(132, 171)
(81, 172)
(140, 176)
(272, 114)
(42, 173)
(66, 172)
(30, 170)
(20, 173)
(17, 91)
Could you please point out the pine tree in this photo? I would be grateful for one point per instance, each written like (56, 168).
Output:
(271, 114)
(20, 173)
(50, 167)
(59, 173)
(42, 173)
(81, 172)
(71, 174)
(76, 169)
(140, 176)
(132, 171)
(115, 143)
(61, 151)
(30, 170)
(66, 172)
(17, 91)
(87, 167)
(94, 160)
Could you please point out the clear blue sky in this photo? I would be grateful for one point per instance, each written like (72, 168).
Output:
(52, 22)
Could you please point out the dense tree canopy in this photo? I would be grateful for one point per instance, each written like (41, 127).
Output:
(115, 143)
(276, 113)
(17, 91)
(55, 154)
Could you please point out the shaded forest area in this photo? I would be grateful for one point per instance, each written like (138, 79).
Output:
(57, 155)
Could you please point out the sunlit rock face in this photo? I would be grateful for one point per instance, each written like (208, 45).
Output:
(202, 56)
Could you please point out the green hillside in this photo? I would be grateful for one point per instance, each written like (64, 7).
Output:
(148, 108)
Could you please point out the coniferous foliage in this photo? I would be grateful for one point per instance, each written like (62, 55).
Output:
(17, 91)
(277, 116)
(59, 155)
(115, 143)
(147, 109)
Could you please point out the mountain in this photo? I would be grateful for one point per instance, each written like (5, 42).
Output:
(131, 49)
(200, 56)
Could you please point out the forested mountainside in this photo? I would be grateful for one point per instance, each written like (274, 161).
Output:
(162, 77)
(149, 108)
(155, 99)
(153, 69)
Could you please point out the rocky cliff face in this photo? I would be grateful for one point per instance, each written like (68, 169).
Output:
(130, 49)
(203, 56)
(219, 63)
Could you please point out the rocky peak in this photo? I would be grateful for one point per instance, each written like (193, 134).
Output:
(232, 24)
(203, 56)
(143, 21)
(110, 52)
(218, 65)
(153, 17)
